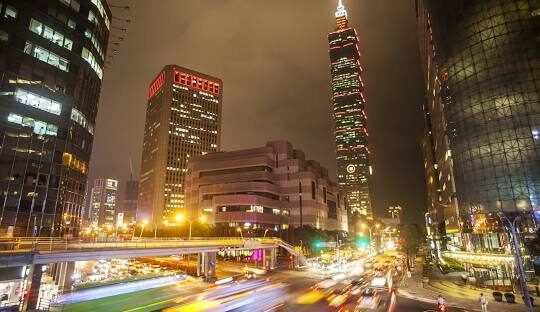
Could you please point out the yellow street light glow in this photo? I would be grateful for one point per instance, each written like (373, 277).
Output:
(238, 229)
(363, 225)
(179, 217)
(145, 222)
(202, 219)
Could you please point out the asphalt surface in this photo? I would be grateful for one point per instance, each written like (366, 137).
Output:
(409, 305)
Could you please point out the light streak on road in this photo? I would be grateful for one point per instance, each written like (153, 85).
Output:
(118, 289)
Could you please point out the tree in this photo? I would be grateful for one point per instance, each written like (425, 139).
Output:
(410, 238)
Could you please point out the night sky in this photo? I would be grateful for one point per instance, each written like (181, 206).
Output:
(273, 59)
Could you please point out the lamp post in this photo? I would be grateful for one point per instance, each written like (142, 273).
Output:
(181, 218)
(239, 229)
(511, 226)
(142, 229)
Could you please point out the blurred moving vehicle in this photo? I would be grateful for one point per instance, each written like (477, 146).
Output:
(370, 299)
(250, 295)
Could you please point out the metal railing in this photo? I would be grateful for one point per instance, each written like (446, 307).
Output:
(49, 245)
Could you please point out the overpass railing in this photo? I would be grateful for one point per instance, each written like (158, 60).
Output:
(44, 245)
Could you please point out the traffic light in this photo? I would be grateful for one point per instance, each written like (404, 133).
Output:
(317, 244)
(362, 242)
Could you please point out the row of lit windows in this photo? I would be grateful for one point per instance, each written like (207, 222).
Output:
(90, 35)
(37, 101)
(73, 162)
(196, 82)
(79, 118)
(50, 34)
(89, 57)
(39, 127)
(101, 10)
(46, 56)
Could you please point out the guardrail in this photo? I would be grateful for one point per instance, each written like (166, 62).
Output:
(43, 245)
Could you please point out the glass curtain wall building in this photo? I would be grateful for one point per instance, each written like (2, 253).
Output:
(51, 62)
(487, 55)
(349, 111)
(183, 119)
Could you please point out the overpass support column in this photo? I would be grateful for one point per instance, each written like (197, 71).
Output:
(33, 283)
(206, 265)
(269, 258)
(62, 276)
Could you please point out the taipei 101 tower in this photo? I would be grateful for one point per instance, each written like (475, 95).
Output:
(349, 111)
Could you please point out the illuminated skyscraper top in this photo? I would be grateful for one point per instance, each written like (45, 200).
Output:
(348, 100)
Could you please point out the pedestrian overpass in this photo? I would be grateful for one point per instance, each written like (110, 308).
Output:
(62, 254)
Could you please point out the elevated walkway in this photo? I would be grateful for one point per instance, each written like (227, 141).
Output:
(25, 251)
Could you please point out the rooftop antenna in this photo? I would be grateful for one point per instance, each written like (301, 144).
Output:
(130, 169)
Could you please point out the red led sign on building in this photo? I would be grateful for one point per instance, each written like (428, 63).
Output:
(154, 87)
(195, 82)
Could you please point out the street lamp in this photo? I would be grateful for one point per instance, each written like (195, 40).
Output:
(239, 229)
(511, 226)
(144, 222)
(181, 218)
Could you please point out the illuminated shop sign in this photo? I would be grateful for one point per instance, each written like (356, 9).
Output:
(195, 82)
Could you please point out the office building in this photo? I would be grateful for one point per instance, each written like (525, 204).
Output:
(482, 71)
(128, 206)
(394, 212)
(183, 120)
(349, 111)
(52, 54)
(103, 201)
(267, 188)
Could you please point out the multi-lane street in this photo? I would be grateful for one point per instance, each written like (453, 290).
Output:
(290, 290)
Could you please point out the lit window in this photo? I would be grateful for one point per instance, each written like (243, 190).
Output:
(90, 35)
(40, 127)
(75, 5)
(10, 12)
(37, 101)
(4, 36)
(79, 118)
(50, 34)
(46, 56)
(89, 57)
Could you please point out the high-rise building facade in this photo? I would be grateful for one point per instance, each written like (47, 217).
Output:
(394, 212)
(442, 205)
(128, 206)
(349, 111)
(481, 61)
(183, 119)
(273, 187)
(103, 203)
(52, 55)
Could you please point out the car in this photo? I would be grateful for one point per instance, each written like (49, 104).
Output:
(370, 299)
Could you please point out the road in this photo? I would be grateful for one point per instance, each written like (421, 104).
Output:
(409, 305)
(159, 298)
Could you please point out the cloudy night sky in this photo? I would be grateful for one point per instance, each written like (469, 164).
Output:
(273, 59)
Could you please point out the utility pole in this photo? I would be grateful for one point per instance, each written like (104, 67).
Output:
(511, 226)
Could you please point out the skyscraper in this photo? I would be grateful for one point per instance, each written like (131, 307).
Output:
(129, 201)
(482, 70)
(183, 119)
(103, 203)
(52, 56)
(349, 107)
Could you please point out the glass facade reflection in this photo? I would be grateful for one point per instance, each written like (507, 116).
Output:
(48, 105)
(491, 63)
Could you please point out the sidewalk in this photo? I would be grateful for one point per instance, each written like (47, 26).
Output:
(456, 295)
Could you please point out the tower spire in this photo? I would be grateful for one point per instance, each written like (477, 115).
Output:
(341, 12)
